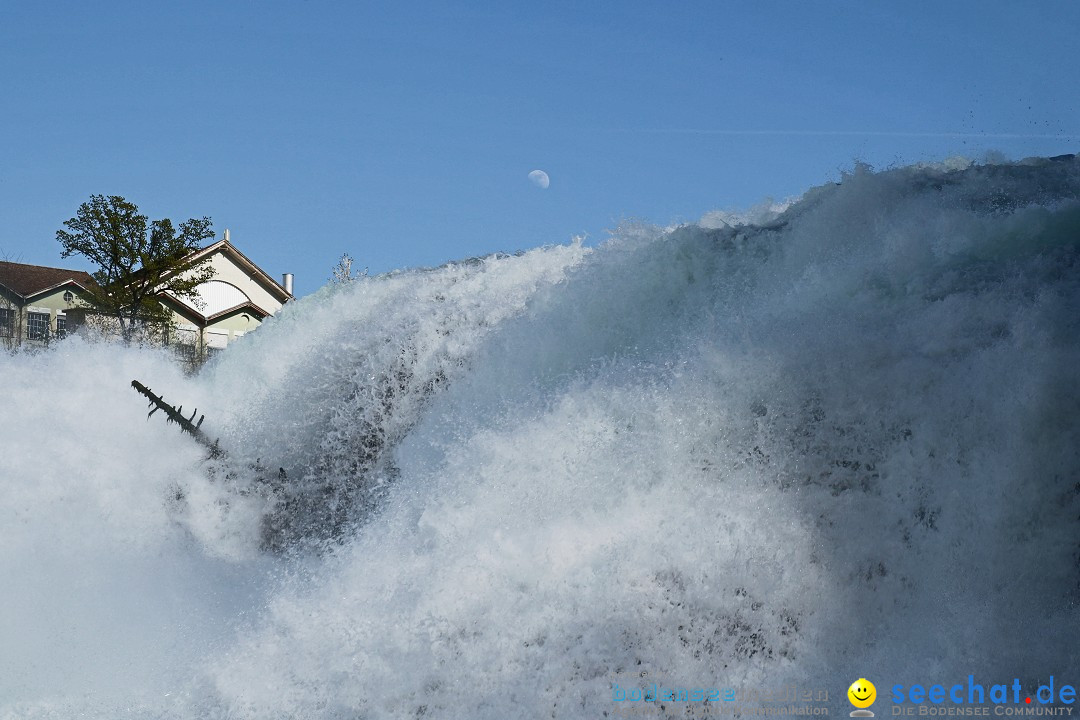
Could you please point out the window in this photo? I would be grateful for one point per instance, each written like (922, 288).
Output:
(216, 340)
(7, 322)
(61, 326)
(37, 326)
(68, 297)
(218, 295)
(186, 353)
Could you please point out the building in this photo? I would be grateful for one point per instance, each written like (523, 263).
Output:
(39, 304)
(235, 301)
(35, 300)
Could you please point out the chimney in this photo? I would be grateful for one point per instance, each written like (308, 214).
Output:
(286, 282)
(226, 234)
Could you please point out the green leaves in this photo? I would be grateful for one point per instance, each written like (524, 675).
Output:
(136, 262)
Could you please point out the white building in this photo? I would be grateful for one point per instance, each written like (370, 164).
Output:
(235, 301)
(39, 304)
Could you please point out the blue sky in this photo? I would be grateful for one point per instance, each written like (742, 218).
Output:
(403, 133)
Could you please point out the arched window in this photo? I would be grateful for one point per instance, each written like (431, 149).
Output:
(218, 295)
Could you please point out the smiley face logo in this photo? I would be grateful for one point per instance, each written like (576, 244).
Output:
(862, 693)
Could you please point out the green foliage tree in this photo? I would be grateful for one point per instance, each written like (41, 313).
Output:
(136, 260)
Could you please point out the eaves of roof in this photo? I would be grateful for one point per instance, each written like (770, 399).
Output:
(193, 314)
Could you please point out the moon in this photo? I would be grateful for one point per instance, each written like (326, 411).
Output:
(540, 179)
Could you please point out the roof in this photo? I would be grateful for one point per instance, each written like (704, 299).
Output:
(194, 315)
(272, 285)
(28, 280)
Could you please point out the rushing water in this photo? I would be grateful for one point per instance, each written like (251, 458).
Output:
(819, 442)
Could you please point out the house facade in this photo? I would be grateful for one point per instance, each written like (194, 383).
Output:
(41, 304)
(234, 302)
(35, 302)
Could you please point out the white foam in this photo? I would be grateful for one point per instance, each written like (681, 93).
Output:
(838, 444)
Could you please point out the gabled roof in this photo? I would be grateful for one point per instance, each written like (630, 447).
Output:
(198, 318)
(29, 280)
(242, 260)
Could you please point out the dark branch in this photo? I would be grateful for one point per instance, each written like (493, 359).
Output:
(173, 414)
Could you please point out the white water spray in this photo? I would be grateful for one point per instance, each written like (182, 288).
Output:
(842, 442)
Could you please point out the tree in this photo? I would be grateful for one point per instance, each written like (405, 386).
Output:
(136, 262)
